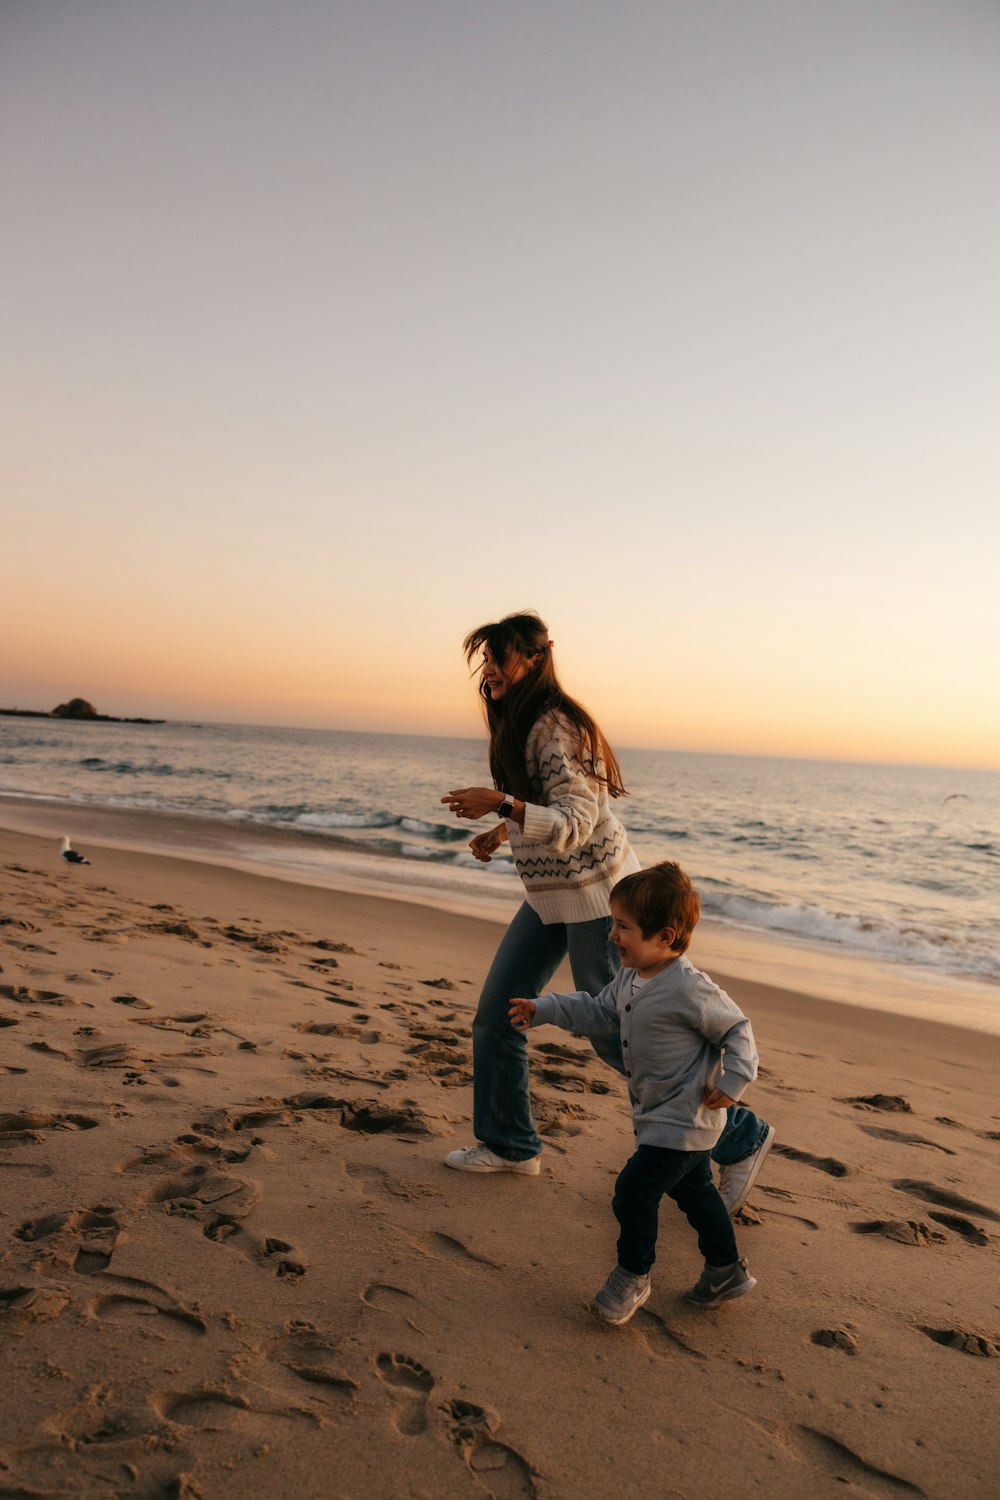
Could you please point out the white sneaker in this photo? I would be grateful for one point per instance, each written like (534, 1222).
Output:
(735, 1181)
(480, 1158)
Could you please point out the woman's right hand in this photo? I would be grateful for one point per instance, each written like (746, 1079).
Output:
(485, 845)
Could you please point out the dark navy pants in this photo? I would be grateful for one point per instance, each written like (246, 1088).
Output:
(684, 1176)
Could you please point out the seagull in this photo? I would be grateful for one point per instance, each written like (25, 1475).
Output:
(70, 855)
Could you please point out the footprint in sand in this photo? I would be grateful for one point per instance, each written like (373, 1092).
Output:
(281, 1257)
(202, 1192)
(221, 1203)
(965, 1340)
(445, 1246)
(47, 1050)
(503, 1473)
(412, 1383)
(37, 1304)
(378, 1179)
(27, 1127)
(930, 1193)
(890, 1103)
(207, 1410)
(969, 1231)
(97, 1227)
(313, 1357)
(844, 1338)
(781, 1213)
(382, 1297)
(881, 1133)
(828, 1164)
(22, 995)
(140, 1299)
(99, 1231)
(661, 1339)
(903, 1231)
(833, 1458)
(376, 1119)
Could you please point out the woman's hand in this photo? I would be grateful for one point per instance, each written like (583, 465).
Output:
(522, 1014)
(473, 802)
(485, 845)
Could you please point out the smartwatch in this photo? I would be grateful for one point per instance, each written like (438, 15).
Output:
(506, 808)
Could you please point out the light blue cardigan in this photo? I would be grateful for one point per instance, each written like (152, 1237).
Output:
(679, 1033)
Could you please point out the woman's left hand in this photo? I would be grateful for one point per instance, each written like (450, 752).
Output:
(473, 802)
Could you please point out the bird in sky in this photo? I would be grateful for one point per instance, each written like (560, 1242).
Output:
(70, 855)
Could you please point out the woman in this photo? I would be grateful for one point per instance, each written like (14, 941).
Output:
(555, 777)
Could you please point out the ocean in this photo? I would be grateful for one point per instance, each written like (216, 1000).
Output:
(900, 863)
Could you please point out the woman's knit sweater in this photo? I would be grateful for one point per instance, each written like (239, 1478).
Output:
(573, 849)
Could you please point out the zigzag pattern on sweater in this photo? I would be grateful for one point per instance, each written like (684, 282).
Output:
(600, 856)
(557, 761)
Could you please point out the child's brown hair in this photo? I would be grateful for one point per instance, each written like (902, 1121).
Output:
(660, 897)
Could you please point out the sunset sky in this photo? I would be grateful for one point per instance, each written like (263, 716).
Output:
(334, 328)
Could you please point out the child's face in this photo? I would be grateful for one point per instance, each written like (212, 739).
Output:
(647, 954)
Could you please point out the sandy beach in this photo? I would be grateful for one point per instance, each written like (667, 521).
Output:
(235, 1265)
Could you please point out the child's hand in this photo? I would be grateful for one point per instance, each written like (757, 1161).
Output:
(716, 1099)
(522, 1014)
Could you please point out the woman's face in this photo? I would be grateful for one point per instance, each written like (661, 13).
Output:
(498, 679)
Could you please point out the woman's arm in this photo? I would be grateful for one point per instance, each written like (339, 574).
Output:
(567, 815)
(476, 801)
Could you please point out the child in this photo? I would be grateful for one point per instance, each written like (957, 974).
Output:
(689, 1053)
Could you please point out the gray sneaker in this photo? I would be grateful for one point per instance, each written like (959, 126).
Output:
(620, 1296)
(736, 1181)
(719, 1283)
(480, 1158)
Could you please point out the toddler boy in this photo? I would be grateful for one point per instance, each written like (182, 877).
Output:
(689, 1053)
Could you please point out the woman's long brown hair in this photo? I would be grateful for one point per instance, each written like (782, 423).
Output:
(511, 719)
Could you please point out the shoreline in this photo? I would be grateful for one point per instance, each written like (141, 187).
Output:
(335, 863)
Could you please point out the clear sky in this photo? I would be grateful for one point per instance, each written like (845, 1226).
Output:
(333, 328)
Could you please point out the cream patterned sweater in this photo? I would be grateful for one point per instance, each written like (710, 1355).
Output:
(573, 849)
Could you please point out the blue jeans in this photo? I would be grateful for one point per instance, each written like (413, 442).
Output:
(529, 954)
(685, 1176)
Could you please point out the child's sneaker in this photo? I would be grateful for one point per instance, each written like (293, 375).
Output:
(736, 1180)
(620, 1296)
(719, 1283)
(480, 1158)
